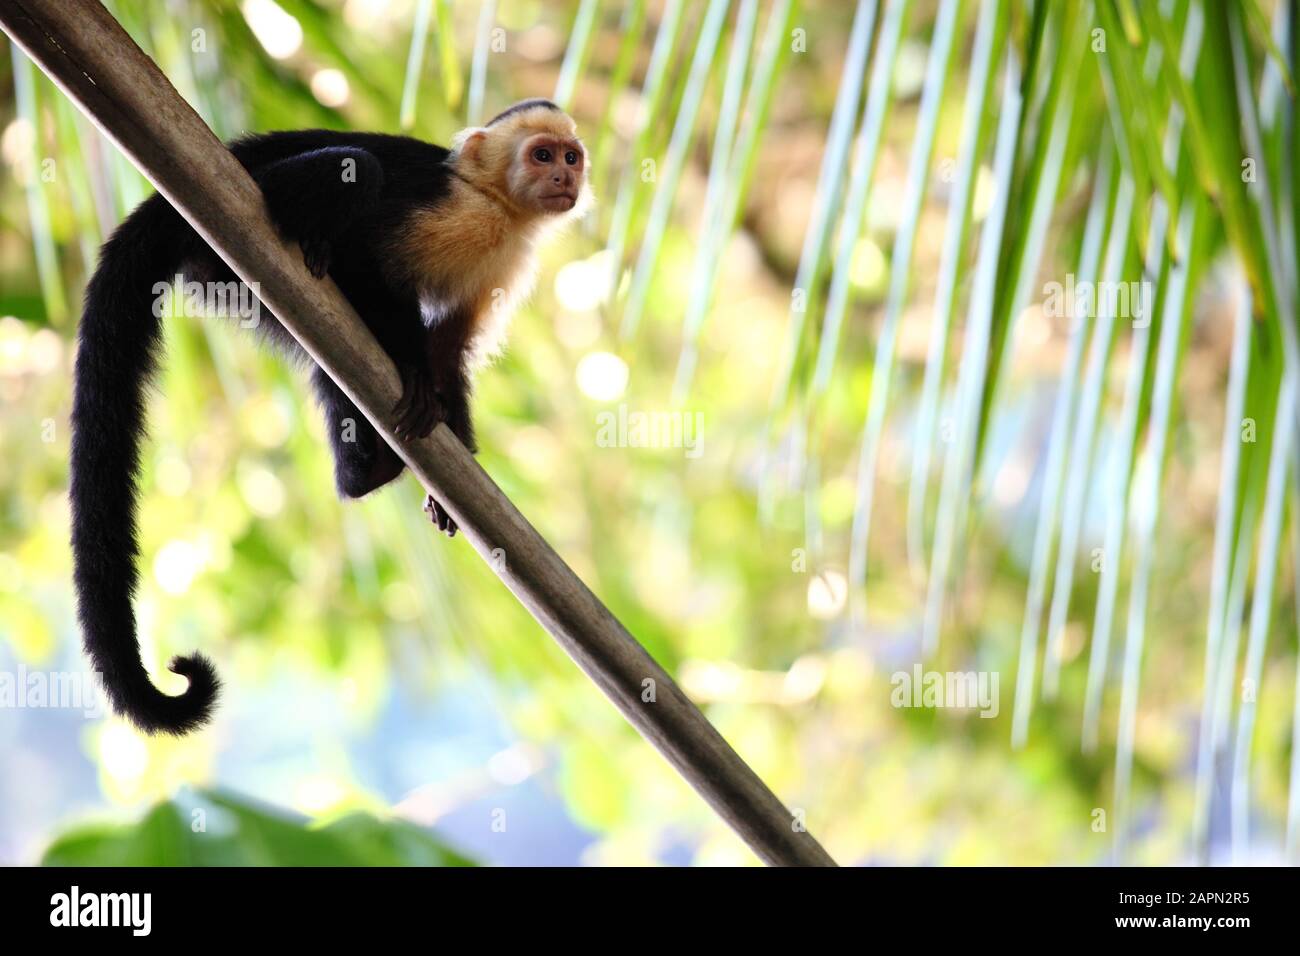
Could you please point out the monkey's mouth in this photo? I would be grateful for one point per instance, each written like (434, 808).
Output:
(560, 202)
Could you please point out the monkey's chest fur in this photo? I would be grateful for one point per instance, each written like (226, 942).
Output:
(468, 257)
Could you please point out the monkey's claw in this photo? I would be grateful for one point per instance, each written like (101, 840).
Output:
(439, 516)
(316, 256)
(419, 409)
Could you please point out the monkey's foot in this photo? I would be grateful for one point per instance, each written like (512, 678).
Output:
(316, 256)
(420, 408)
(439, 516)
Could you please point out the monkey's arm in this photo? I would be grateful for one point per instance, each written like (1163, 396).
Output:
(314, 197)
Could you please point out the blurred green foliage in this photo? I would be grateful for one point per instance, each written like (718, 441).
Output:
(219, 830)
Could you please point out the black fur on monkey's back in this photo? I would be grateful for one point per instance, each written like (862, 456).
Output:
(343, 214)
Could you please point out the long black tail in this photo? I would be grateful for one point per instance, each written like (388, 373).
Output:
(116, 357)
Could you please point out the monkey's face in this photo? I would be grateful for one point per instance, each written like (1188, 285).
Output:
(549, 172)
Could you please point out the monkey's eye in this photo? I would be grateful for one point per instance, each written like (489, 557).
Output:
(571, 158)
(542, 154)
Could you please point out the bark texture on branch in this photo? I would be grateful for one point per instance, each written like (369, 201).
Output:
(88, 54)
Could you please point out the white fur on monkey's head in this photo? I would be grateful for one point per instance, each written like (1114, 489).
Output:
(532, 152)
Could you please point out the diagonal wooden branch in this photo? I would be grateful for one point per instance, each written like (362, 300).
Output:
(92, 59)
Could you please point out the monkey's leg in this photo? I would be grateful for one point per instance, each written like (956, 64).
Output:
(444, 347)
(421, 407)
(315, 197)
(363, 461)
(434, 385)
(451, 396)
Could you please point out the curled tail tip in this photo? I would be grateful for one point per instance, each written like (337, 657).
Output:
(194, 707)
(187, 712)
(198, 669)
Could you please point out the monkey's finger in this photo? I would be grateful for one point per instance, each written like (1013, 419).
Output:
(429, 416)
(435, 512)
(424, 413)
(316, 256)
(402, 412)
(413, 422)
(439, 516)
(416, 410)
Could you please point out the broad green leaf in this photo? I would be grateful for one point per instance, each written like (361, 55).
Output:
(220, 829)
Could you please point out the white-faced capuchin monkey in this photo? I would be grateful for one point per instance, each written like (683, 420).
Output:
(429, 245)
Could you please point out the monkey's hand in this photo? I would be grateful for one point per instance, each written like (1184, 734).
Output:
(438, 515)
(316, 254)
(420, 408)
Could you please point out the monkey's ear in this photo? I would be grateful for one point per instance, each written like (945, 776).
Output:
(471, 142)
